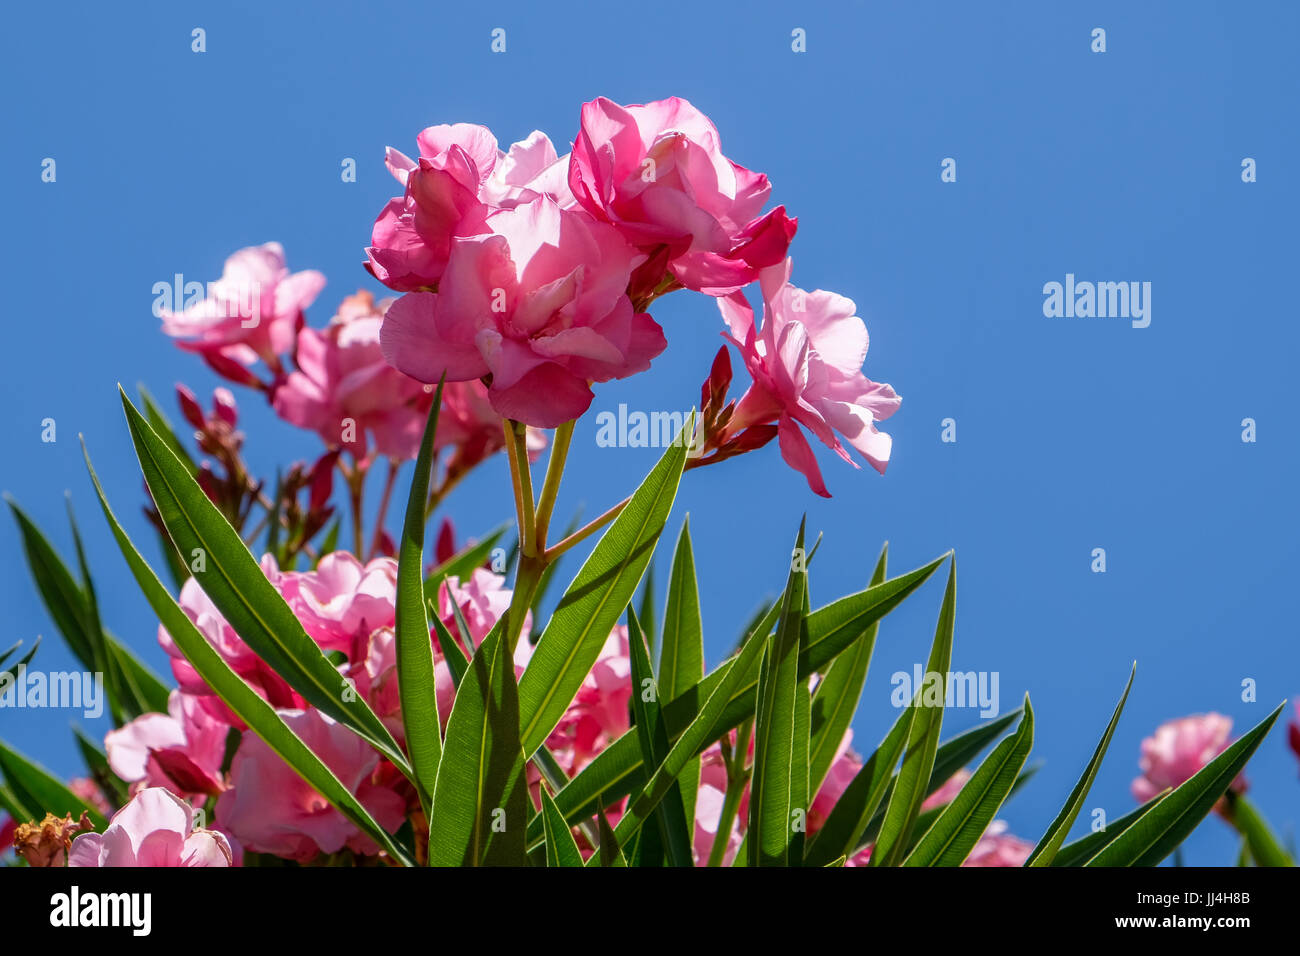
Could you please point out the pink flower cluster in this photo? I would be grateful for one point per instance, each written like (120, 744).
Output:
(261, 804)
(1178, 749)
(533, 272)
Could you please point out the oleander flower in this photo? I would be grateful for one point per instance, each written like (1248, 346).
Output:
(252, 311)
(1293, 733)
(180, 750)
(657, 173)
(155, 829)
(341, 602)
(539, 304)
(806, 366)
(458, 179)
(1178, 749)
(242, 660)
(998, 848)
(269, 808)
(345, 392)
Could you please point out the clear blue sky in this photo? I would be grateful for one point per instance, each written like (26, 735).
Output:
(1073, 434)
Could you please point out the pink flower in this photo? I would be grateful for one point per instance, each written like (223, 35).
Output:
(1293, 733)
(471, 428)
(708, 809)
(181, 750)
(241, 658)
(86, 790)
(599, 713)
(8, 827)
(459, 178)
(947, 792)
(252, 311)
(998, 848)
(658, 174)
(345, 392)
(270, 809)
(539, 304)
(806, 366)
(155, 829)
(1178, 749)
(342, 602)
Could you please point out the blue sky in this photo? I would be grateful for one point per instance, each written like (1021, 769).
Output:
(1072, 434)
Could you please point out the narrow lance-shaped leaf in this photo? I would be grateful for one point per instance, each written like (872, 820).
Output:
(836, 699)
(772, 788)
(416, 686)
(909, 789)
(848, 818)
(1259, 840)
(243, 701)
(235, 583)
(617, 770)
(11, 672)
(480, 800)
(36, 788)
(696, 736)
(561, 848)
(595, 600)
(675, 826)
(1085, 848)
(1054, 838)
(681, 654)
(963, 821)
(463, 562)
(1159, 831)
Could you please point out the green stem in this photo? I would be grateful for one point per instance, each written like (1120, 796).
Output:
(522, 481)
(586, 531)
(551, 484)
(387, 496)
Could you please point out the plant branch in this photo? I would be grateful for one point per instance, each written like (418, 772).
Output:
(551, 485)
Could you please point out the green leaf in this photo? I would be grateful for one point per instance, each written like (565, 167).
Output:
(595, 600)
(838, 836)
(243, 701)
(675, 827)
(836, 698)
(59, 591)
(480, 800)
(773, 787)
(609, 852)
(462, 564)
(1161, 829)
(97, 763)
(698, 735)
(909, 790)
(235, 583)
(416, 686)
(561, 848)
(136, 680)
(38, 789)
(1263, 845)
(681, 651)
(647, 612)
(452, 652)
(1055, 836)
(1085, 848)
(12, 670)
(161, 424)
(617, 770)
(963, 821)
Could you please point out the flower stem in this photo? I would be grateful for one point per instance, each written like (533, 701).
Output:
(522, 481)
(551, 485)
(384, 499)
(586, 531)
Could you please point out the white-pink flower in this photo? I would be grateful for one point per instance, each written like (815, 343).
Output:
(155, 829)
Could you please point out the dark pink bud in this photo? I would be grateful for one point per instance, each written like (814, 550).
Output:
(190, 407)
